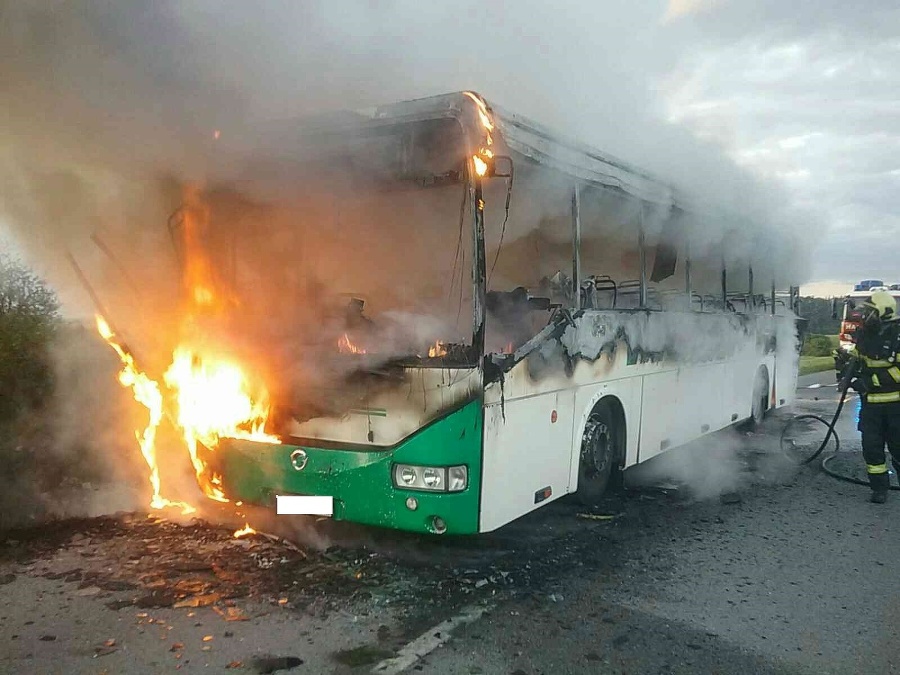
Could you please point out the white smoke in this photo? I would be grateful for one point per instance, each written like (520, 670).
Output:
(107, 110)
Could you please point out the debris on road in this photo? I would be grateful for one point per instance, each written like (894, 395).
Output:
(270, 664)
(362, 656)
(598, 516)
(105, 649)
(162, 564)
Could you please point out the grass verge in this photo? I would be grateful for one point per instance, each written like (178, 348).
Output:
(815, 364)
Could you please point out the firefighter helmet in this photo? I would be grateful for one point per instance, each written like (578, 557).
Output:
(882, 303)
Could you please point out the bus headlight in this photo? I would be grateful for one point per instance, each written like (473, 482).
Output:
(407, 475)
(431, 478)
(458, 478)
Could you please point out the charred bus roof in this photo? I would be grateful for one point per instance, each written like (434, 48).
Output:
(523, 136)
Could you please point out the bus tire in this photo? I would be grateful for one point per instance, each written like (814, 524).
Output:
(600, 453)
(760, 404)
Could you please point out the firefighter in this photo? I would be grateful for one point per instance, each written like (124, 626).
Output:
(877, 379)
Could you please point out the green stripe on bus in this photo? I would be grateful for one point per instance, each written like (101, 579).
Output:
(360, 480)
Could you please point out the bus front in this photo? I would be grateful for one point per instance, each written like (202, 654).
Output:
(361, 243)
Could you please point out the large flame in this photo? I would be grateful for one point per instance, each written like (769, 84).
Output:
(212, 396)
(214, 400)
(147, 393)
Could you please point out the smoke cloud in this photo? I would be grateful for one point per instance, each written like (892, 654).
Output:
(105, 104)
(111, 109)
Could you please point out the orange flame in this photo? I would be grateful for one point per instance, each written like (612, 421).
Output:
(347, 347)
(213, 396)
(482, 111)
(437, 350)
(244, 531)
(146, 392)
(484, 153)
(199, 274)
(215, 400)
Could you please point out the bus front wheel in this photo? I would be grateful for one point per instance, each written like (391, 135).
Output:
(599, 454)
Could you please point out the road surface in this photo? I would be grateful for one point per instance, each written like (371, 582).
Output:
(779, 571)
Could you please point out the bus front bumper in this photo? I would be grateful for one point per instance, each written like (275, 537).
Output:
(360, 481)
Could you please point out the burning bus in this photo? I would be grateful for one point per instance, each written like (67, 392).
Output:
(463, 317)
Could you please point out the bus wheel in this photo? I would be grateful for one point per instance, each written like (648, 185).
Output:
(599, 453)
(760, 398)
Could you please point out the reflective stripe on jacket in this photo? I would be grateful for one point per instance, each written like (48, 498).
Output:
(879, 362)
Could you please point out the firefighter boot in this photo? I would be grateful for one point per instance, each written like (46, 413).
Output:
(880, 484)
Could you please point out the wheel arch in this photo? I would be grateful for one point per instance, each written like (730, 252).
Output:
(589, 487)
(614, 403)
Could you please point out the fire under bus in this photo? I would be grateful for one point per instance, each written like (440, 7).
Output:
(525, 318)
(851, 315)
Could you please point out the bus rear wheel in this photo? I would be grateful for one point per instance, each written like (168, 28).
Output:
(599, 454)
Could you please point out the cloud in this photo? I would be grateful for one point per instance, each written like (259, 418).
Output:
(681, 8)
(808, 92)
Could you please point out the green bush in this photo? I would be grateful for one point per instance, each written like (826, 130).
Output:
(29, 315)
(819, 345)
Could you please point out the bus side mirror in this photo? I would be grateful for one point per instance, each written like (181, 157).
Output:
(834, 308)
(501, 166)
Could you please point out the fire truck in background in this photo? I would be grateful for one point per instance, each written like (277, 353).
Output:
(851, 317)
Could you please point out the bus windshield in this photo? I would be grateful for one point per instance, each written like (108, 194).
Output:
(359, 242)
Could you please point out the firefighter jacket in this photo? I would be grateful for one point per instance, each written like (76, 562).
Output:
(878, 351)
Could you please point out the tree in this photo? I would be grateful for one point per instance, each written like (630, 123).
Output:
(29, 315)
(817, 311)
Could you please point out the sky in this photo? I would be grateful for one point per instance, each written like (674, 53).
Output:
(792, 104)
(807, 92)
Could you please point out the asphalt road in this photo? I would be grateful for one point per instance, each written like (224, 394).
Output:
(788, 571)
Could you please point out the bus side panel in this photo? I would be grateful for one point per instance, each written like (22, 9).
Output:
(785, 379)
(659, 413)
(681, 406)
(526, 455)
(741, 380)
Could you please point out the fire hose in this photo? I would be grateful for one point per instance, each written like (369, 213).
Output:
(844, 386)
